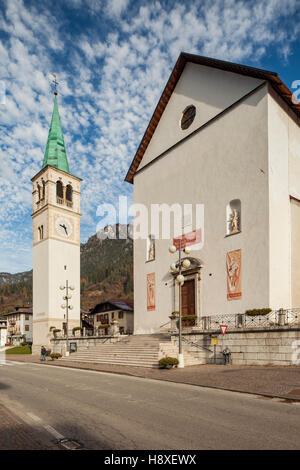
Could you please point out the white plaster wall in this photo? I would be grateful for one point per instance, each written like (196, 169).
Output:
(3, 336)
(226, 160)
(50, 257)
(294, 158)
(295, 254)
(209, 90)
(279, 212)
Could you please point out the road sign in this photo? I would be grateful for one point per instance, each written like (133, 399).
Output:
(214, 340)
(223, 329)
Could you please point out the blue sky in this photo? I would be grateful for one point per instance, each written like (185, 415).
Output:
(112, 59)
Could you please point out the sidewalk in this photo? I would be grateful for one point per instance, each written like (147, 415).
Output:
(17, 435)
(270, 381)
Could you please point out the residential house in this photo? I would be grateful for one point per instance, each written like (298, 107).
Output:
(120, 310)
(19, 325)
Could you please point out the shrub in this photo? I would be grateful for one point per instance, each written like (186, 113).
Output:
(175, 313)
(55, 356)
(76, 328)
(188, 317)
(24, 343)
(56, 330)
(103, 326)
(168, 361)
(258, 311)
(52, 328)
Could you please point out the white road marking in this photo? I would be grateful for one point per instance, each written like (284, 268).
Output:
(53, 431)
(4, 362)
(34, 417)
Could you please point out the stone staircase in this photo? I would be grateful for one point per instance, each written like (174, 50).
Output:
(135, 350)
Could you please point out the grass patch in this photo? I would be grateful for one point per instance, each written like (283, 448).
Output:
(19, 350)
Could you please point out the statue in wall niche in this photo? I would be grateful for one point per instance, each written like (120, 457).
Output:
(234, 221)
(151, 254)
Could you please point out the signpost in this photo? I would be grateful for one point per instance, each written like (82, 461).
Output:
(214, 340)
(223, 329)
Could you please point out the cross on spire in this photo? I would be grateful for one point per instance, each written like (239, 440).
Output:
(55, 83)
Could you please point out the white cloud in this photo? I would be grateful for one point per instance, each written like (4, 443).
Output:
(110, 76)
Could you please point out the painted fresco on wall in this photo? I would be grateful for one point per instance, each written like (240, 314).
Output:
(190, 239)
(151, 291)
(234, 274)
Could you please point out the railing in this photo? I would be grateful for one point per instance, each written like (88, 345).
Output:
(59, 200)
(274, 319)
(193, 343)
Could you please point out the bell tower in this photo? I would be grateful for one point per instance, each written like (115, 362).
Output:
(56, 239)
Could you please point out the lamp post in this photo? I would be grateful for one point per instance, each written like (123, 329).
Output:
(68, 307)
(180, 279)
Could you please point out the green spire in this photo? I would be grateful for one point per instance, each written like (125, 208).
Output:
(55, 153)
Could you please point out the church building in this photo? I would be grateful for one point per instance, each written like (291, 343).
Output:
(56, 241)
(225, 136)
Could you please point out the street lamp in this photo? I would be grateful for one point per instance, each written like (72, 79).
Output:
(180, 279)
(68, 307)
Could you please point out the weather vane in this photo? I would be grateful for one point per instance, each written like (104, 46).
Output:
(55, 83)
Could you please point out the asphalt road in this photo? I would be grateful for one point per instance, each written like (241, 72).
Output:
(107, 411)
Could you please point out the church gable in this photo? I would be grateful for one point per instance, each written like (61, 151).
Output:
(200, 94)
(198, 89)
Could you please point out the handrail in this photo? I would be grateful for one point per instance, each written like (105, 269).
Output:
(196, 344)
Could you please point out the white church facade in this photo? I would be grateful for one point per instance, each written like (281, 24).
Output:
(225, 136)
(56, 240)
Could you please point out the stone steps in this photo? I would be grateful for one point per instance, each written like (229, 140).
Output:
(137, 351)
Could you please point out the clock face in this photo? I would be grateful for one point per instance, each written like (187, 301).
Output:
(63, 227)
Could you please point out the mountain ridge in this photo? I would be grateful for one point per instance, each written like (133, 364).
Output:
(106, 272)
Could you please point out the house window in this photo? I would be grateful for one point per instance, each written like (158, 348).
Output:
(26, 317)
(26, 327)
(112, 315)
(99, 317)
(233, 217)
(121, 314)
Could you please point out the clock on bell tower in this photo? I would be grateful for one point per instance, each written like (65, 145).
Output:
(56, 239)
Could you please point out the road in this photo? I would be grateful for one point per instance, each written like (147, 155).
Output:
(108, 411)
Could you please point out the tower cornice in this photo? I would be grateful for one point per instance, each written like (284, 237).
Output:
(43, 170)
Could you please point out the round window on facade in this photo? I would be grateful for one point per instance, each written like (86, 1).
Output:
(188, 116)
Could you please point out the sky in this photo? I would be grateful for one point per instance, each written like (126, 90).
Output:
(112, 59)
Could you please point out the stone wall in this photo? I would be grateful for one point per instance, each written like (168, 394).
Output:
(58, 345)
(260, 347)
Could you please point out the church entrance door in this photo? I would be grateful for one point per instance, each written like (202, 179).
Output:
(188, 298)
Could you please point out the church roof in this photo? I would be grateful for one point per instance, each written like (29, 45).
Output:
(55, 153)
(271, 77)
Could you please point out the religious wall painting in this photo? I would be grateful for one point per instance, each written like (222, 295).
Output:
(234, 274)
(151, 291)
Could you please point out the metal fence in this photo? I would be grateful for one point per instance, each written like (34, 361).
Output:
(274, 319)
